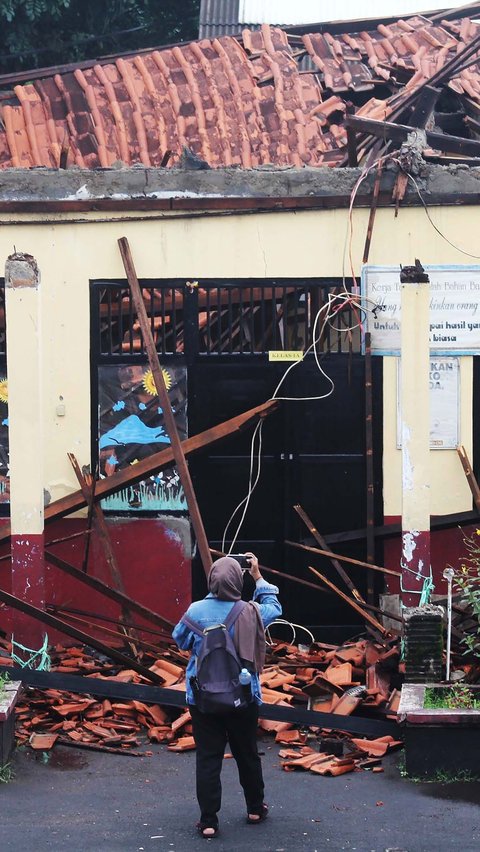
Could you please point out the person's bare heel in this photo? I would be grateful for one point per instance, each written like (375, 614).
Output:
(258, 816)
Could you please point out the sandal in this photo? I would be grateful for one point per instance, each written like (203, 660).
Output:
(258, 815)
(207, 829)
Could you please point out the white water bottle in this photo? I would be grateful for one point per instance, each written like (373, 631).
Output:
(245, 677)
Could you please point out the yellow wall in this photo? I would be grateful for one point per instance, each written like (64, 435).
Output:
(304, 244)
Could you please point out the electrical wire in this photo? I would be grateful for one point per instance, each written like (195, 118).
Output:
(360, 305)
(434, 226)
(290, 624)
(334, 303)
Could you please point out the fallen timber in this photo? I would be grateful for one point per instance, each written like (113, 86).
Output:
(437, 522)
(365, 615)
(85, 638)
(147, 467)
(348, 559)
(281, 574)
(87, 486)
(321, 541)
(109, 688)
(108, 592)
(168, 416)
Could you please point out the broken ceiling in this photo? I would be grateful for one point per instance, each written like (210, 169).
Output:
(269, 97)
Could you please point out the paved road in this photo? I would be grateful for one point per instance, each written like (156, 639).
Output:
(90, 802)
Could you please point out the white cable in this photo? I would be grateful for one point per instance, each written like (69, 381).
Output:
(251, 488)
(280, 621)
(292, 625)
(332, 299)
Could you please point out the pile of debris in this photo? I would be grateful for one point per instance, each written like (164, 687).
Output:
(359, 677)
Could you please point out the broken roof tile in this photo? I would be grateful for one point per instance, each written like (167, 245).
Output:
(234, 102)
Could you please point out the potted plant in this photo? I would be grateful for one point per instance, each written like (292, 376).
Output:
(441, 720)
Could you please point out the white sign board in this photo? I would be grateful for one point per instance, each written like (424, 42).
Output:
(454, 308)
(444, 403)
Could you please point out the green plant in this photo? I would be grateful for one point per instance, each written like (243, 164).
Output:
(4, 679)
(35, 33)
(458, 697)
(6, 773)
(467, 582)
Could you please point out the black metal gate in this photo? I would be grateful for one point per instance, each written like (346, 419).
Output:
(312, 453)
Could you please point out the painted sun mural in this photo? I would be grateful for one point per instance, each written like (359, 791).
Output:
(131, 428)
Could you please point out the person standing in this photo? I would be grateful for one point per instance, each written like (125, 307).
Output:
(211, 731)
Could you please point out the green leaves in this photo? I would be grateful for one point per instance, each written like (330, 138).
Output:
(38, 33)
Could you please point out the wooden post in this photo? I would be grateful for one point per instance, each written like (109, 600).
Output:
(168, 415)
(351, 141)
(87, 486)
(370, 504)
(25, 413)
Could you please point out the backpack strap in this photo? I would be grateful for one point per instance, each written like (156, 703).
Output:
(231, 618)
(235, 611)
(192, 625)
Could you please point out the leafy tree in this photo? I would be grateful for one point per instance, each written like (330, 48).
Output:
(38, 33)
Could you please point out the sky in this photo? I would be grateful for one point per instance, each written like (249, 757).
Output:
(314, 11)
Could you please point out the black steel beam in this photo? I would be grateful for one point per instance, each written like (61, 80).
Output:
(110, 688)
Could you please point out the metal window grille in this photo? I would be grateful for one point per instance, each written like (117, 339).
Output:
(224, 317)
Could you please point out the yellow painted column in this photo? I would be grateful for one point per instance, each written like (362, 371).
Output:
(415, 432)
(26, 449)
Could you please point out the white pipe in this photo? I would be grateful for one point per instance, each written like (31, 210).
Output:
(448, 575)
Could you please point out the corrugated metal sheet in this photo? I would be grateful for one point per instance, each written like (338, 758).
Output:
(281, 12)
(245, 102)
(219, 17)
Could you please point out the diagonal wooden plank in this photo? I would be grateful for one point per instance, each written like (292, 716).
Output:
(113, 594)
(85, 638)
(365, 615)
(146, 467)
(168, 415)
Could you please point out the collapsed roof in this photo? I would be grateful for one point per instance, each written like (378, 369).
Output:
(269, 97)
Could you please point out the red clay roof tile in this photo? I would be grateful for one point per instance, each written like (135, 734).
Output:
(231, 103)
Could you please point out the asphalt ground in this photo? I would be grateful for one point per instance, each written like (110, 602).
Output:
(81, 801)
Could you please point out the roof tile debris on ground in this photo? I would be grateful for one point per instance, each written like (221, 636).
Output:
(354, 677)
(267, 97)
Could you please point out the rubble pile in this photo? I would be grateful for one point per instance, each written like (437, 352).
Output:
(359, 677)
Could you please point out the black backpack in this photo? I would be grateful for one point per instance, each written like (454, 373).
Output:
(216, 686)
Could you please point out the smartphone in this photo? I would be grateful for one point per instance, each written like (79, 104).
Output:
(243, 560)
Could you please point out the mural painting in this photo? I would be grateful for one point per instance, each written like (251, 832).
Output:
(131, 427)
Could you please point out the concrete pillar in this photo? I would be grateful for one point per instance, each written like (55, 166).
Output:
(415, 431)
(26, 450)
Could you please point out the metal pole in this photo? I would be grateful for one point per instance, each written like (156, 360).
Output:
(448, 575)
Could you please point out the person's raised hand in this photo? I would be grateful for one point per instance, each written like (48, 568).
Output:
(253, 570)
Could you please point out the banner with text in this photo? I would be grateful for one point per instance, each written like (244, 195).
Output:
(444, 387)
(454, 308)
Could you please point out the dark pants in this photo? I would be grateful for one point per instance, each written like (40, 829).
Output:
(211, 733)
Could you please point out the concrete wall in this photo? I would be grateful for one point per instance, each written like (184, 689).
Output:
(309, 243)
